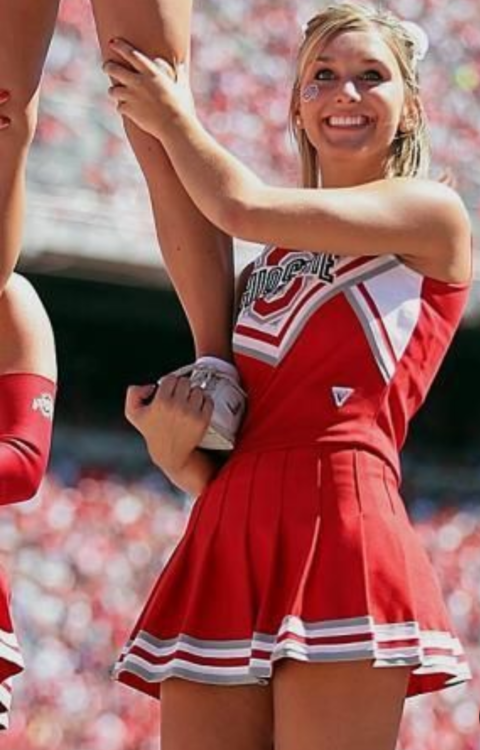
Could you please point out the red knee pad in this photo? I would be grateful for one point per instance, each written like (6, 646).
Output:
(26, 417)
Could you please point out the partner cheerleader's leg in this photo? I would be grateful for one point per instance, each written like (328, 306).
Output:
(26, 28)
(26, 414)
(197, 255)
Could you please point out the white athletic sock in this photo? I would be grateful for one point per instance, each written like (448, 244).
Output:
(219, 364)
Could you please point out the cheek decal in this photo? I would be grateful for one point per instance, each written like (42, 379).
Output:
(311, 92)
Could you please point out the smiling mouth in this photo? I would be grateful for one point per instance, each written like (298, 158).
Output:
(348, 122)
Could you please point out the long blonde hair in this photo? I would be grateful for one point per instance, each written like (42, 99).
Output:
(410, 154)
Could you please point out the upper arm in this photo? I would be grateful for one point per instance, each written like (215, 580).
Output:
(415, 219)
(25, 331)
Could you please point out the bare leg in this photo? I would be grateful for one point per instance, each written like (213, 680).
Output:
(209, 717)
(338, 706)
(25, 332)
(197, 255)
(26, 28)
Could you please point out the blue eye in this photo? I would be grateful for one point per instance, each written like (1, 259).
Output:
(324, 74)
(327, 74)
(372, 75)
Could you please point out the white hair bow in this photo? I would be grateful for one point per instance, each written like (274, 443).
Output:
(419, 37)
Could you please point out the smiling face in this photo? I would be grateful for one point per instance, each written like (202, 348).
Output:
(352, 105)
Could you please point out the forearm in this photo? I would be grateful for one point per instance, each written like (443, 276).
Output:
(193, 476)
(215, 180)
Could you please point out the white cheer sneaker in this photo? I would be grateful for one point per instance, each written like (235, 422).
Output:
(229, 403)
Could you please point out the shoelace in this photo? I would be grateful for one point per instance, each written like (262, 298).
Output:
(204, 377)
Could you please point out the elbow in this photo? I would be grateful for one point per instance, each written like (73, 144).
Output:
(231, 216)
(236, 218)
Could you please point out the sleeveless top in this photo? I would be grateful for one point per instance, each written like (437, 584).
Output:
(339, 349)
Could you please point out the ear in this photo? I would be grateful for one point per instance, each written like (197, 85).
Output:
(298, 121)
(408, 120)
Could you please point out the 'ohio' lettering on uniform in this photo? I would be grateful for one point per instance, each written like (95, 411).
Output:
(271, 279)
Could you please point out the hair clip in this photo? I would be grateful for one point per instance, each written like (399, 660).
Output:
(421, 42)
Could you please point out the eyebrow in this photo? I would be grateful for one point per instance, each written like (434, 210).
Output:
(323, 58)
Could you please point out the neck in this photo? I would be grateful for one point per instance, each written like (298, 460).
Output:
(348, 174)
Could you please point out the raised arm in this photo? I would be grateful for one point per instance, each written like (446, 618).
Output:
(422, 221)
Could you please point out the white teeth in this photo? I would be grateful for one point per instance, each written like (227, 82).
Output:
(347, 122)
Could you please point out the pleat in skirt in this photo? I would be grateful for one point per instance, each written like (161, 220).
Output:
(304, 553)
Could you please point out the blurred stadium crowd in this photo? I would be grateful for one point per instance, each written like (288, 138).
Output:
(82, 557)
(243, 53)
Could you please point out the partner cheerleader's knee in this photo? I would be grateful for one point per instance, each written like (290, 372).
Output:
(26, 418)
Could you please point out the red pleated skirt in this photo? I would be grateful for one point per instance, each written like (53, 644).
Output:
(304, 553)
(11, 662)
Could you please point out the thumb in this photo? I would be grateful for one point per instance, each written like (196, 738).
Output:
(166, 67)
(137, 399)
(181, 70)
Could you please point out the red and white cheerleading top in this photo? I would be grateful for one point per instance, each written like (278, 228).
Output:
(339, 348)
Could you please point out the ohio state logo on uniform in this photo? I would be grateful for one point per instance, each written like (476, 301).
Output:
(282, 277)
(287, 288)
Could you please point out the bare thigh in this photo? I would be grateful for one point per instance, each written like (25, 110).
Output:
(158, 27)
(195, 716)
(26, 29)
(338, 706)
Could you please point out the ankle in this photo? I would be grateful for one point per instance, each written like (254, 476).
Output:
(222, 365)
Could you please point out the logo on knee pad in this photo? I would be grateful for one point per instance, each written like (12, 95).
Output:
(44, 404)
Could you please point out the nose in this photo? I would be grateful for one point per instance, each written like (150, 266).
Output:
(347, 92)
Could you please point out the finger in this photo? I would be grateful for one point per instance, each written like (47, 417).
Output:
(123, 110)
(117, 93)
(166, 387)
(120, 73)
(196, 399)
(165, 67)
(182, 392)
(134, 57)
(207, 407)
(148, 397)
(182, 75)
(135, 397)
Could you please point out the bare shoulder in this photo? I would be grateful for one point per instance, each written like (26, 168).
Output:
(25, 331)
(441, 209)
